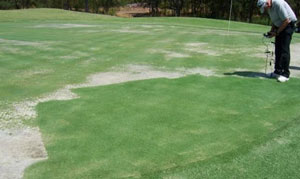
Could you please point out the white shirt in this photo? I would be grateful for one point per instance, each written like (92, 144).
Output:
(280, 11)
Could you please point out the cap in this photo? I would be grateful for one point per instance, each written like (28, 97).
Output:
(261, 4)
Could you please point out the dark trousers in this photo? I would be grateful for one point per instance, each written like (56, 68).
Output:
(282, 51)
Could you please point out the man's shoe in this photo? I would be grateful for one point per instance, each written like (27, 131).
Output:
(282, 79)
(274, 75)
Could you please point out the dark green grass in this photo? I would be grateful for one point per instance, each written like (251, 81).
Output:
(278, 158)
(140, 128)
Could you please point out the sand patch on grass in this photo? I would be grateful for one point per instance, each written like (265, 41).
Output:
(201, 48)
(95, 48)
(69, 57)
(21, 43)
(91, 31)
(230, 33)
(75, 55)
(151, 26)
(169, 54)
(219, 32)
(19, 149)
(65, 26)
(295, 60)
(127, 30)
(195, 48)
(14, 50)
(31, 73)
(248, 51)
(88, 61)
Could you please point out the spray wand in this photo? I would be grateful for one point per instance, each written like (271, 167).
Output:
(269, 53)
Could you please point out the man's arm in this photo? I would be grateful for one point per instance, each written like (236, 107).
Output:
(273, 31)
(276, 31)
(283, 26)
(274, 28)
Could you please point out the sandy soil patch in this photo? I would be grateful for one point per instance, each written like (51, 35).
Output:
(169, 54)
(201, 48)
(94, 48)
(92, 31)
(151, 26)
(128, 30)
(69, 57)
(238, 33)
(30, 73)
(21, 43)
(295, 60)
(220, 32)
(19, 149)
(75, 55)
(65, 26)
(14, 50)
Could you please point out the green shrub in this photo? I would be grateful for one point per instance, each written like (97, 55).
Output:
(6, 5)
(112, 11)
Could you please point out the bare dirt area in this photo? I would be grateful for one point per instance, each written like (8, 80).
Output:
(169, 54)
(128, 30)
(295, 60)
(200, 48)
(19, 149)
(65, 26)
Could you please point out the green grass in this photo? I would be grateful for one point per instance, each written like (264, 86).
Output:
(189, 127)
(68, 55)
(277, 158)
(140, 128)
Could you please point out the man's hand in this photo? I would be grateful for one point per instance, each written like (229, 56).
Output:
(271, 34)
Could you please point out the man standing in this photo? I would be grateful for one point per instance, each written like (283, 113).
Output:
(283, 25)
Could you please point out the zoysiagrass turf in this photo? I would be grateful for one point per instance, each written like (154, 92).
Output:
(43, 50)
(139, 128)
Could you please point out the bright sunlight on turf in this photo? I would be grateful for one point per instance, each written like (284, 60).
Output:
(198, 103)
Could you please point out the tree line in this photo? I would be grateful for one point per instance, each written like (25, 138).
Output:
(242, 10)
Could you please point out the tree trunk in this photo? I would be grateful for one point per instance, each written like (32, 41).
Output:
(86, 5)
(68, 7)
(152, 11)
(178, 12)
(252, 2)
(17, 4)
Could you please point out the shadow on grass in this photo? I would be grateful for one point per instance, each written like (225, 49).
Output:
(249, 74)
(294, 68)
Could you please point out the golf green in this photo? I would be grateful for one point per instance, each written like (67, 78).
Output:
(152, 97)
